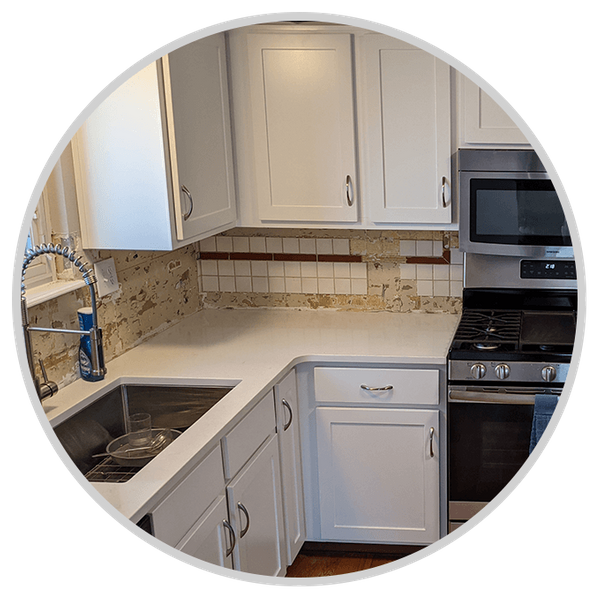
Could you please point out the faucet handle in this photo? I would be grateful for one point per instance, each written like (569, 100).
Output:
(51, 387)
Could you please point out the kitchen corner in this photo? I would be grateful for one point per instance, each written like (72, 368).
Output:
(251, 349)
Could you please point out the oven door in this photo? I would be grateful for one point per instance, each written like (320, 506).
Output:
(488, 441)
(512, 214)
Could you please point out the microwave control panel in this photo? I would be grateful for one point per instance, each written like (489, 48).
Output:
(548, 269)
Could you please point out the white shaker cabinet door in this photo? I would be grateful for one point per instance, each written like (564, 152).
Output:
(404, 95)
(288, 433)
(378, 474)
(256, 513)
(211, 539)
(302, 114)
(200, 143)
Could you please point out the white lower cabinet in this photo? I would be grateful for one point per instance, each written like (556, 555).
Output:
(288, 434)
(378, 474)
(255, 507)
(211, 539)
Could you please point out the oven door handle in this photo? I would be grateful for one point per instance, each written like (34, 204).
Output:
(491, 397)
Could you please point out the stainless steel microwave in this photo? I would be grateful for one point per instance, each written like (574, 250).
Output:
(509, 207)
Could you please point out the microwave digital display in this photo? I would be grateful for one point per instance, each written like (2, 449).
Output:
(517, 211)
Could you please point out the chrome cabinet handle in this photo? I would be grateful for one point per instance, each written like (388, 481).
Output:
(287, 405)
(231, 538)
(431, 432)
(189, 195)
(349, 191)
(446, 201)
(376, 389)
(244, 531)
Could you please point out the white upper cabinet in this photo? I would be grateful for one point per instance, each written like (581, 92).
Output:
(294, 104)
(200, 137)
(153, 163)
(405, 120)
(481, 122)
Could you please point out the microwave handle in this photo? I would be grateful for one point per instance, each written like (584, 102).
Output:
(446, 197)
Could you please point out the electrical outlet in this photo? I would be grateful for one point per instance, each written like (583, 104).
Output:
(106, 274)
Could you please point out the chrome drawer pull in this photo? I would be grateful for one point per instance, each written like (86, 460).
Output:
(431, 432)
(189, 195)
(287, 405)
(349, 191)
(244, 531)
(376, 389)
(231, 538)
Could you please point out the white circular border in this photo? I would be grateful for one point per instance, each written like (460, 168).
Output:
(526, 470)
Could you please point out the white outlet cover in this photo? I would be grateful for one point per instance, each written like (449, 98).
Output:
(106, 274)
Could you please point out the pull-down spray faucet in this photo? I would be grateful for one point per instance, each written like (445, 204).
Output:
(47, 388)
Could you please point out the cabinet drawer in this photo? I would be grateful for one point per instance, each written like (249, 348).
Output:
(248, 435)
(404, 386)
(176, 514)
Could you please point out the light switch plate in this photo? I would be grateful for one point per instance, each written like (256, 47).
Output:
(106, 274)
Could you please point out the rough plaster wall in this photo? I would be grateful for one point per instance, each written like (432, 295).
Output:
(155, 291)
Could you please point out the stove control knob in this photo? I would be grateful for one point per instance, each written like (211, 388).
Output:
(502, 371)
(548, 373)
(478, 371)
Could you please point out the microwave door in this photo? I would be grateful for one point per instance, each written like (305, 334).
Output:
(515, 216)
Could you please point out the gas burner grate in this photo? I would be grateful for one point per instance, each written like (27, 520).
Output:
(108, 471)
(488, 330)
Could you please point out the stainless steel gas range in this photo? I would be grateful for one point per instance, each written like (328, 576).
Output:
(514, 342)
(510, 345)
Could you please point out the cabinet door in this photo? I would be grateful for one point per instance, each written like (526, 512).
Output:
(255, 509)
(210, 539)
(198, 119)
(120, 171)
(301, 92)
(378, 474)
(288, 434)
(482, 121)
(405, 124)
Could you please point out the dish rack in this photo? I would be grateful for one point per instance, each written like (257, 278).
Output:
(108, 471)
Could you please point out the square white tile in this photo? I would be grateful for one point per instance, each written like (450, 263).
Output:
(456, 272)
(307, 246)
(441, 272)
(342, 286)
(226, 284)
(291, 246)
(441, 288)
(241, 244)
(359, 286)
(438, 248)
(424, 272)
(260, 284)
(456, 256)
(274, 245)
(243, 284)
(226, 268)
(293, 285)
(424, 248)
(208, 245)
(259, 268)
(358, 270)
(408, 271)
(325, 269)
(341, 270)
(224, 244)
(326, 286)
(258, 244)
(309, 285)
(292, 269)
(308, 269)
(408, 248)
(456, 289)
(210, 283)
(341, 246)
(276, 268)
(276, 285)
(241, 268)
(209, 267)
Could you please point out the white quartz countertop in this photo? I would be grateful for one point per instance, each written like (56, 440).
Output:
(251, 349)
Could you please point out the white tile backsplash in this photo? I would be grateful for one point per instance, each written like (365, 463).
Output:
(311, 277)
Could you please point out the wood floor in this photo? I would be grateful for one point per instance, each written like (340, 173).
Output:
(324, 560)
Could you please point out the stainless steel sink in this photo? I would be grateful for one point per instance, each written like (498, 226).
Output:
(89, 431)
